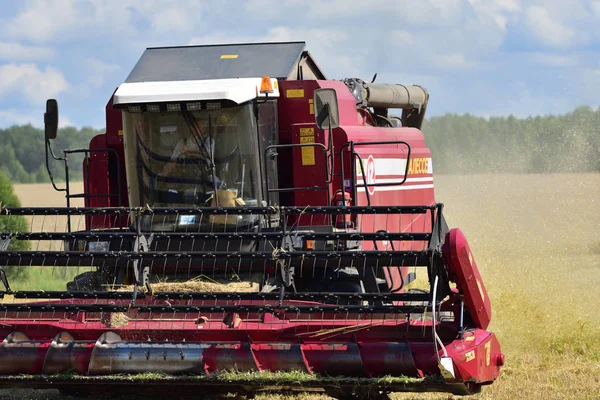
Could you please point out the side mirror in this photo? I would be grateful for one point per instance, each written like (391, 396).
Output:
(327, 115)
(51, 119)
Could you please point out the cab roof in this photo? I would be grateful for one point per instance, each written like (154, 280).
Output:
(282, 60)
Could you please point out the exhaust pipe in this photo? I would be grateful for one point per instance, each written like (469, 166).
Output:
(385, 95)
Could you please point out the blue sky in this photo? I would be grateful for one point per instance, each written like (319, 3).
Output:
(484, 57)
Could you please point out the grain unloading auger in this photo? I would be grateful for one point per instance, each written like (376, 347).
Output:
(303, 188)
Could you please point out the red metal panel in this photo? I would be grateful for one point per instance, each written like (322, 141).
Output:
(96, 181)
(114, 140)
(477, 357)
(310, 170)
(383, 164)
(114, 126)
(293, 107)
(295, 110)
(389, 348)
(464, 269)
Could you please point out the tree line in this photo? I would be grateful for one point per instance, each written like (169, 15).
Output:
(459, 144)
(22, 153)
(545, 144)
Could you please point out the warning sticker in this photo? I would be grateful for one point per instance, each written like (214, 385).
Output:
(311, 107)
(307, 131)
(470, 356)
(294, 93)
(308, 155)
(307, 135)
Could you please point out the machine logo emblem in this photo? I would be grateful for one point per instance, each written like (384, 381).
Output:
(370, 174)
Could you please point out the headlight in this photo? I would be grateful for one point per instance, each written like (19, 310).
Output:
(98, 247)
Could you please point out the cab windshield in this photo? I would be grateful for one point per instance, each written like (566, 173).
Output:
(192, 159)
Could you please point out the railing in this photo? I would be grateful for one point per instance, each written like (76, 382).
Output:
(87, 194)
(292, 258)
(351, 146)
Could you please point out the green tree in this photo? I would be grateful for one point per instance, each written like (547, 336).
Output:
(22, 153)
(12, 223)
(463, 144)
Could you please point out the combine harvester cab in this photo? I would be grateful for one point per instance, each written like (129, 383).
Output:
(249, 225)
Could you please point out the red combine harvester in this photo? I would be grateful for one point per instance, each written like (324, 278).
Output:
(244, 162)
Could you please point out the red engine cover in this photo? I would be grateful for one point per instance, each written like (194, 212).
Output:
(464, 272)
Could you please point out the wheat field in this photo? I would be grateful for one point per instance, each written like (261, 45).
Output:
(535, 240)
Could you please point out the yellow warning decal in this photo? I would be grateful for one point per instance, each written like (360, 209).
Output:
(469, 338)
(418, 166)
(294, 93)
(470, 356)
(480, 290)
(229, 56)
(307, 135)
(488, 353)
(120, 133)
(307, 131)
(308, 155)
(311, 107)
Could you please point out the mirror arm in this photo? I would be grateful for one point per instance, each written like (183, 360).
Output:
(48, 146)
(331, 150)
(48, 166)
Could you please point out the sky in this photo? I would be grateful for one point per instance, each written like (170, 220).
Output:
(482, 57)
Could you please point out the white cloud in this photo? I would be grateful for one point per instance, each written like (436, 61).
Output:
(12, 116)
(30, 82)
(220, 37)
(39, 20)
(64, 121)
(499, 10)
(65, 20)
(34, 117)
(96, 71)
(402, 37)
(324, 36)
(549, 30)
(477, 48)
(172, 18)
(508, 5)
(325, 44)
(16, 51)
(454, 61)
(555, 60)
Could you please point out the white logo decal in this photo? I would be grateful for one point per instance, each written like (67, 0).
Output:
(370, 174)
